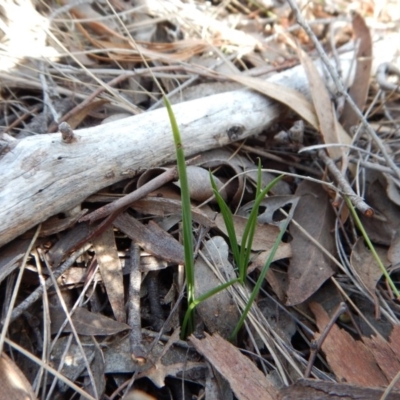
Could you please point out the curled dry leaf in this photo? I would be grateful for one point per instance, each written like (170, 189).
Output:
(200, 188)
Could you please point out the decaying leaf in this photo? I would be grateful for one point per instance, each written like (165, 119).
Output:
(246, 380)
(309, 267)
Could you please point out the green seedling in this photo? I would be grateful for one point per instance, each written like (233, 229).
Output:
(241, 254)
(371, 246)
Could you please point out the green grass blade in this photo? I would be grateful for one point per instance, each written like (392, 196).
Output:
(186, 212)
(228, 220)
(371, 246)
(250, 228)
(261, 278)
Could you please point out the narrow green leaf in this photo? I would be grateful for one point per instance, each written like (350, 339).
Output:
(186, 215)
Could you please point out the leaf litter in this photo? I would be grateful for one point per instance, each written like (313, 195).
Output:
(321, 262)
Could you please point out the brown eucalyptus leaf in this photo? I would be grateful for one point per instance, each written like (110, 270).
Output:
(200, 188)
(151, 238)
(161, 206)
(309, 267)
(366, 267)
(14, 384)
(246, 380)
(219, 312)
(359, 89)
(86, 323)
(83, 112)
(323, 106)
(348, 358)
(111, 271)
(291, 98)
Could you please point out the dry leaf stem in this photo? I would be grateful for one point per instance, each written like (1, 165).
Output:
(345, 187)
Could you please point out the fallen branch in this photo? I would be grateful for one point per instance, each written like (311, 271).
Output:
(44, 175)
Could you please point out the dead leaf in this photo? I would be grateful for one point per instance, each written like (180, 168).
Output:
(309, 267)
(291, 98)
(359, 89)
(111, 272)
(200, 188)
(165, 206)
(246, 380)
(84, 111)
(323, 106)
(86, 323)
(151, 238)
(14, 384)
(350, 360)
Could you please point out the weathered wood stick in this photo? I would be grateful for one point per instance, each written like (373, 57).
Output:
(44, 175)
